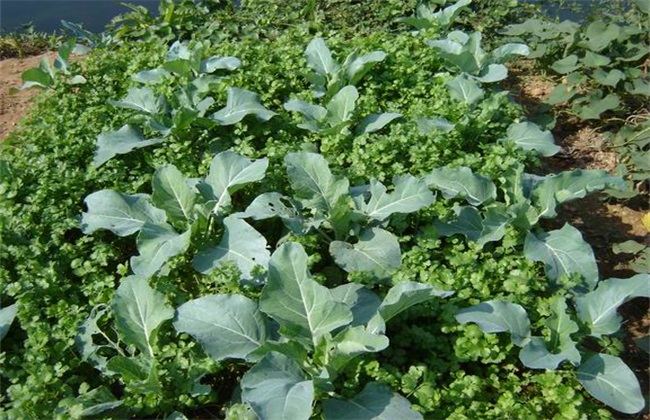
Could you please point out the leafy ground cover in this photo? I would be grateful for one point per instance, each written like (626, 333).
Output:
(219, 213)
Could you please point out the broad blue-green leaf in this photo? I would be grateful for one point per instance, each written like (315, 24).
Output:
(120, 213)
(143, 100)
(561, 93)
(594, 60)
(228, 172)
(608, 78)
(240, 244)
(157, 243)
(97, 401)
(131, 369)
(357, 66)
(469, 223)
(642, 5)
(139, 310)
(507, 51)
(466, 90)
(226, 326)
(529, 136)
(563, 252)
(36, 77)
(239, 104)
(276, 388)
(313, 182)
(409, 195)
(535, 355)
(214, 63)
(608, 379)
(447, 15)
(404, 295)
(172, 193)
(352, 342)
(180, 59)
(7, 315)
(566, 65)
(377, 252)
(273, 204)
(598, 308)
(151, 77)
(492, 73)
(311, 112)
(599, 35)
(495, 316)
(375, 122)
(596, 106)
(88, 350)
(339, 109)
(638, 87)
(120, 142)
(319, 58)
(570, 185)
(453, 182)
(427, 125)
(303, 308)
(376, 402)
(362, 301)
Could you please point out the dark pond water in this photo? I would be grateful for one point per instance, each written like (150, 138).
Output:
(46, 15)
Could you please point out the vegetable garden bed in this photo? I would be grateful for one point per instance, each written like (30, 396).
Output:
(329, 210)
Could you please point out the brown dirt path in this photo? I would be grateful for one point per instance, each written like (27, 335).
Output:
(13, 106)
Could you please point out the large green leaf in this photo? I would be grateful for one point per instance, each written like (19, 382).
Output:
(319, 58)
(536, 355)
(529, 136)
(596, 106)
(566, 65)
(453, 182)
(357, 66)
(465, 90)
(570, 185)
(276, 388)
(352, 342)
(608, 78)
(598, 308)
(7, 315)
(340, 108)
(495, 316)
(120, 142)
(143, 100)
(240, 244)
(214, 63)
(446, 16)
(563, 252)
(274, 204)
(409, 195)
(599, 35)
(376, 402)
(404, 295)
(157, 243)
(313, 182)
(377, 252)
(120, 213)
(312, 114)
(239, 104)
(172, 193)
(228, 172)
(469, 223)
(608, 379)
(363, 302)
(375, 122)
(139, 310)
(303, 308)
(88, 350)
(226, 326)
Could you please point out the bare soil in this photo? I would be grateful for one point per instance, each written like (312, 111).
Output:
(13, 106)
